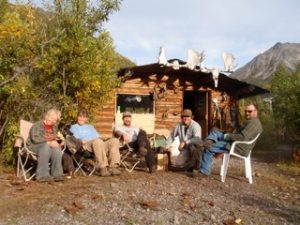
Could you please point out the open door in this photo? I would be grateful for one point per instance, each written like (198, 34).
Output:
(197, 101)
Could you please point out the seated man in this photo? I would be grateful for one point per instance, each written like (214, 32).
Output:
(136, 138)
(189, 133)
(220, 142)
(43, 141)
(106, 152)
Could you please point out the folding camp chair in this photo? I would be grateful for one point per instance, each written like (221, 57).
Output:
(26, 159)
(78, 154)
(80, 161)
(129, 159)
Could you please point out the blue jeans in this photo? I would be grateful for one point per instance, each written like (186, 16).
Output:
(219, 146)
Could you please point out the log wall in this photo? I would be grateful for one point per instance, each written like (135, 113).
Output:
(167, 107)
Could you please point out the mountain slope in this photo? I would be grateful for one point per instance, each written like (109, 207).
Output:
(264, 65)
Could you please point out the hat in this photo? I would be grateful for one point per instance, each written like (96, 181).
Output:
(126, 114)
(187, 113)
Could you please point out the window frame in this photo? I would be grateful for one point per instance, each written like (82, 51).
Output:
(135, 94)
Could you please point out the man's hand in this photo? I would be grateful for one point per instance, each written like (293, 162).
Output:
(83, 142)
(182, 144)
(125, 138)
(226, 137)
(53, 144)
(50, 137)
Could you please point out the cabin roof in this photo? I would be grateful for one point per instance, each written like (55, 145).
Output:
(234, 87)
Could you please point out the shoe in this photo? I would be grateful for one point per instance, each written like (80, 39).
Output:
(188, 165)
(44, 179)
(69, 175)
(175, 168)
(197, 175)
(104, 172)
(190, 170)
(114, 171)
(152, 169)
(58, 179)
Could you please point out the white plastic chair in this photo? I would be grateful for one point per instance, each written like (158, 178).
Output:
(247, 159)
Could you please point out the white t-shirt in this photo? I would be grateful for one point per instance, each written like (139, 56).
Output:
(131, 132)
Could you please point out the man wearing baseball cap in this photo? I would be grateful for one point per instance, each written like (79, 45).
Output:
(136, 138)
(189, 133)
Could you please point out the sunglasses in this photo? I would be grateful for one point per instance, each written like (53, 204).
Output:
(249, 111)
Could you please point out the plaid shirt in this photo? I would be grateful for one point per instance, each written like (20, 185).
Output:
(37, 134)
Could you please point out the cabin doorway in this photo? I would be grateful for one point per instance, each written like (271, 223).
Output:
(197, 101)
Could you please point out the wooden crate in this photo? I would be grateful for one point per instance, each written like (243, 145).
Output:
(162, 162)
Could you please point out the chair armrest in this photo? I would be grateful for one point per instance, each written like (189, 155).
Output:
(19, 141)
(235, 143)
(64, 146)
(242, 142)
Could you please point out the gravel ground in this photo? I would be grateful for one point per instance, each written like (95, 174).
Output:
(160, 199)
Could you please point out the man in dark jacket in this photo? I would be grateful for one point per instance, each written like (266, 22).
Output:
(221, 142)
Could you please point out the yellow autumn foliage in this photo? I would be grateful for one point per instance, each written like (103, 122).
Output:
(13, 26)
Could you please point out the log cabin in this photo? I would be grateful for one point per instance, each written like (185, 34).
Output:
(156, 95)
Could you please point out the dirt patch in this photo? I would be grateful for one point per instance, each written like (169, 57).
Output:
(160, 198)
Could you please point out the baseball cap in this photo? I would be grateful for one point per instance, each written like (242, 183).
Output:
(126, 114)
(187, 113)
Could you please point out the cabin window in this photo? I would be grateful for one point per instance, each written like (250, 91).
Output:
(138, 104)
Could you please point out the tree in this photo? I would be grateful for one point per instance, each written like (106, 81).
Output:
(59, 58)
(286, 103)
(17, 57)
(77, 58)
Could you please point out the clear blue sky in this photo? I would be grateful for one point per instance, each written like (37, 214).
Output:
(244, 28)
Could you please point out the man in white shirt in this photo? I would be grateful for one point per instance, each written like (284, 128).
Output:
(136, 138)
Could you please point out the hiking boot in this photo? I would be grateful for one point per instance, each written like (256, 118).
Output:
(104, 172)
(69, 175)
(115, 171)
(190, 170)
(152, 169)
(197, 174)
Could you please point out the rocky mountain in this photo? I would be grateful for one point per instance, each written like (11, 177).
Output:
(262, 67)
